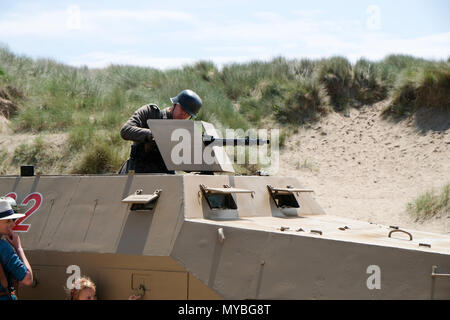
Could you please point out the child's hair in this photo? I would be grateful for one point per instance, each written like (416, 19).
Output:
(80, 284)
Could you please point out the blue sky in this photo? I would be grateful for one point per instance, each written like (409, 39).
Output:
(165, 34)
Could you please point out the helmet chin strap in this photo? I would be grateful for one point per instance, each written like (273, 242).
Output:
(172, 110)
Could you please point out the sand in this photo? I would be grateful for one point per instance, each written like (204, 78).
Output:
(9, 141)
(366, 168)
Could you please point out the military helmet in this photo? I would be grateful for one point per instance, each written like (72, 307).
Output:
(189, 101)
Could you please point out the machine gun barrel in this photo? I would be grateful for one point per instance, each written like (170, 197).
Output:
(207, 140)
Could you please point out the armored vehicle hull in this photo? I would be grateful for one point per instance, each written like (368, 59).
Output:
(215, 237)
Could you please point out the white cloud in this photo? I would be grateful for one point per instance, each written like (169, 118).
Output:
(370, 46)
(53, 23)
(91, 23)
(119, 33)
(321, 38)
(148, 16)
(308, 13)
(220, 61)
(267, 16)
(242, 49)
(103, 59)
(435, 46)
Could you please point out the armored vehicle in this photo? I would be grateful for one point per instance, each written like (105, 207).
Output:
(211, 234)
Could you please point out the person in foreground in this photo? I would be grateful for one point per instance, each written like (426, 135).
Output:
(84, 289)
(14, 266)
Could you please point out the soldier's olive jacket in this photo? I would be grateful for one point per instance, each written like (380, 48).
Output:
(136, 128)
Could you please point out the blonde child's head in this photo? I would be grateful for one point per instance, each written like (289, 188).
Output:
(84, 289)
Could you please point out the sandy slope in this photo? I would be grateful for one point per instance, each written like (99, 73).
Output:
(367, 168)
(9, 141)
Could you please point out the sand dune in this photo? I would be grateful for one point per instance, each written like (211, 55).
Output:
(364, 167)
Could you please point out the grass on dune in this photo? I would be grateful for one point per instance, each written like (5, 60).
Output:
(431, 204)
(85, 103)
(425, 87)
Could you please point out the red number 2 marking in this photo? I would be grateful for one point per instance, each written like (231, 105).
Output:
(12, 195)
(36, 197)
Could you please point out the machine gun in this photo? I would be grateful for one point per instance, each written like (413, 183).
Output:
(247, 141)
(195, 147)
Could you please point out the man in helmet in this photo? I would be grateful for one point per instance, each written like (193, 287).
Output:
(144, 153)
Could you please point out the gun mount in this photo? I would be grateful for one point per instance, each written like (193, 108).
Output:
(195, 146)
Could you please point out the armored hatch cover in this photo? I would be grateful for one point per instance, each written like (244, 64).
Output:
(181, 146)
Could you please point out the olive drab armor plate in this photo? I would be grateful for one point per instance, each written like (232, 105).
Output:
(191, 236)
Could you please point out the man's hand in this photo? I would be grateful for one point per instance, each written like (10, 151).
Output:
(14, 240)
